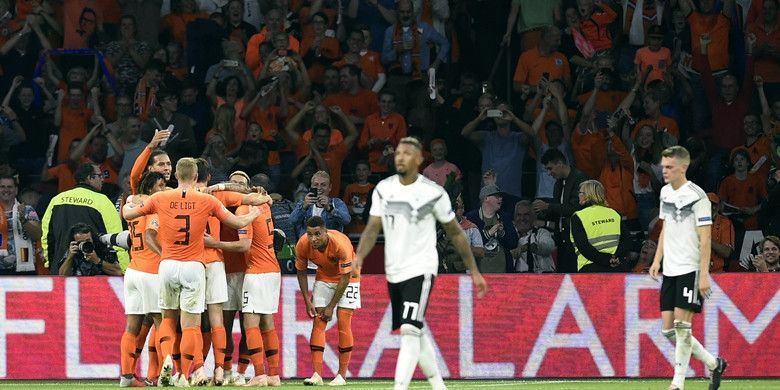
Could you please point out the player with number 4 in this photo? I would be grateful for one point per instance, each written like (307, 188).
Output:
(684, 248)
(333, 254)
(183, 213)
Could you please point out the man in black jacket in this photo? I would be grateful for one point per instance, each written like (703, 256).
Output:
(566, 202)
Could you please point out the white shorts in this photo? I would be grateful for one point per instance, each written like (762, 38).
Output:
(261, 293)
(216, 283)
(142, 292)
(183, 286)
(323, 293)
(235, 285)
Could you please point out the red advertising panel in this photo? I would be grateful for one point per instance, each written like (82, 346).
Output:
(527, 326)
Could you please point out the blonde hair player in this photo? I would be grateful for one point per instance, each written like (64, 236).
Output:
(684, 248)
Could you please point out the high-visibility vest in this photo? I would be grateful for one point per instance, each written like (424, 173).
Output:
(602, 227)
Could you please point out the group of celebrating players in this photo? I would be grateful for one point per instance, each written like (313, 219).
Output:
(199, 249)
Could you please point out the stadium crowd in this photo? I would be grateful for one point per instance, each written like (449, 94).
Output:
(516, 102)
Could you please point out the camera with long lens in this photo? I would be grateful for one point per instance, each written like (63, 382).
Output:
(86, 247)
(121, 239)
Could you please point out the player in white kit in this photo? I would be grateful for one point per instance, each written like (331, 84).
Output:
(406, 207)
(684, 248)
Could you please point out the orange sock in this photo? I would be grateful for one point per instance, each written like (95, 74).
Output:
(344, 317)
(201, 354)
(154, 362)
(227, 364)
(127, 353)
(140, 341)
(271, 343)
(177, 352)
(167, 336)
(219, 338)
(317, 344)
(243, 355)
(254, 343)
(191, 345)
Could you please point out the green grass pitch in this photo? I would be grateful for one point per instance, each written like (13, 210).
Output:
(583, 384)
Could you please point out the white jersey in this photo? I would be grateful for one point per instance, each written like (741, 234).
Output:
(683, 211)
(409, 214)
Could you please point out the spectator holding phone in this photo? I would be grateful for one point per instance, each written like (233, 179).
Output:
(318, 203)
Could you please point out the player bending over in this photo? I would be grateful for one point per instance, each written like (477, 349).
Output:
(332, 252)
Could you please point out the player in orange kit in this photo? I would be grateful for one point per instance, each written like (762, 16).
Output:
(183, 215)
(216, 279)
(332, 252)
(141, 286)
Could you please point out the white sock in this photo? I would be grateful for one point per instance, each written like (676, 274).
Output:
(408, 356)
(682, 352)
(697, 350)
(428, 362)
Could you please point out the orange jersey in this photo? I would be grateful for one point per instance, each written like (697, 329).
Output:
(229, 199)
(268, 120)
(722, 232)
(261, 257)
(391, 127)
(64, 175)
(369, 62)
(663, 124)
(362, 104)
(334, 261)
(183, 216)
(235, 261)
(143, 258)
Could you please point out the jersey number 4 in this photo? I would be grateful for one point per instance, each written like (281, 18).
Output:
(691, 295)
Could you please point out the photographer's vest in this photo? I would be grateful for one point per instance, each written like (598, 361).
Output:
(602, 227)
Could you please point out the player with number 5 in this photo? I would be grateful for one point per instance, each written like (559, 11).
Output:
(684, 248)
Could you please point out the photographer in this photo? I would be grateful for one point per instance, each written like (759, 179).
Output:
(318, 203)
(87, 256)
(498, 234)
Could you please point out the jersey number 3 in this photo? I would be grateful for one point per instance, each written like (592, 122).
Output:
(185, 230)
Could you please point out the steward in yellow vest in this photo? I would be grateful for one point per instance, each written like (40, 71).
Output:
(599, 237)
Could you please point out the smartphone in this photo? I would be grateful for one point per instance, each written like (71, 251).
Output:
(165, 141)
(494, 114)
(314, 192)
